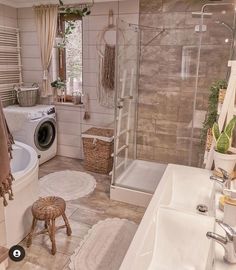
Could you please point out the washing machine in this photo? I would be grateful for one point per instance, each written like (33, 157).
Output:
(35, 126)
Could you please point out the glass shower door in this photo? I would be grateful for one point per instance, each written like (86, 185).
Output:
(127, 67)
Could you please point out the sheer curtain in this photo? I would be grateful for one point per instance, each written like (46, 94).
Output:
(46, 22)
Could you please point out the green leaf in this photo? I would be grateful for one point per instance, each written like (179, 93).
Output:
(230, 127)
(216, 131)
(223, 143)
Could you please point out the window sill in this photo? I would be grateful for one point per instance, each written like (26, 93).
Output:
(69, 104)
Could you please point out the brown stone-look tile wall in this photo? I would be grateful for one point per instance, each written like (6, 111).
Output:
(168, 68)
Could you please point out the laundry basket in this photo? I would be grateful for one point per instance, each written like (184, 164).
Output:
(98, 145)
(27, 96)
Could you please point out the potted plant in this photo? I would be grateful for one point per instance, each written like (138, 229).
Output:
(59, 85)
(223, 157)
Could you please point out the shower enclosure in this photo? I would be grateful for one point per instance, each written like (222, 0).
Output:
(163, 75)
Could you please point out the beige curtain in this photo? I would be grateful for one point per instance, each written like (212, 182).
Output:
(46, 22)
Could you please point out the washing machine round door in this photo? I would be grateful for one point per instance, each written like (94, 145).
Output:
(45, 134)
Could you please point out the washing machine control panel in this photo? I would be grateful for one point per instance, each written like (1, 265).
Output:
(51, 111)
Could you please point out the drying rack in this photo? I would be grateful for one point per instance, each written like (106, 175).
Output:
(10, 62)
(121, 115)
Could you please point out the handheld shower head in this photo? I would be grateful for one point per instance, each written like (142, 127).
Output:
(225, 25)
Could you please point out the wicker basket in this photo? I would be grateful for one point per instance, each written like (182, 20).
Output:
(27, 96)
(98, 144)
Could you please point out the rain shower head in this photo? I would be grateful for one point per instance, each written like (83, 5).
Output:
(200, 14)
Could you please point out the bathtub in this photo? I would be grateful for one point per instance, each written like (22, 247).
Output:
(18, 217)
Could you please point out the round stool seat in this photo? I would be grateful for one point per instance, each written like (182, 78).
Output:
(48, 208)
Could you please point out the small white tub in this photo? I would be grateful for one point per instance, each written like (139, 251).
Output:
(18, 217)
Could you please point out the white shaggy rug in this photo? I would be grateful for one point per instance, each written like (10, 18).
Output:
(70, 185)
(105, 245)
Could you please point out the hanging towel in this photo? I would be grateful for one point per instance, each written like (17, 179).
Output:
(6, 141)
(86, 107)
(108, 69)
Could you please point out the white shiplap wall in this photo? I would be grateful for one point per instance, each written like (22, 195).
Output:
(8, 16)
(70, 118)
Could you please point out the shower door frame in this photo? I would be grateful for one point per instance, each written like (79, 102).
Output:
(135, 97)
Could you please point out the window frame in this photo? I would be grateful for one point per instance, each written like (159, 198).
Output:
(62, 51)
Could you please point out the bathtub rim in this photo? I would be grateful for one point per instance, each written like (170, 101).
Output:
(31, 165)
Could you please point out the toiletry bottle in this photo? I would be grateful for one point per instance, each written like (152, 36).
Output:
(230, 207)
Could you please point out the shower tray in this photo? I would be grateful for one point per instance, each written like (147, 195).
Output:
(138, 182)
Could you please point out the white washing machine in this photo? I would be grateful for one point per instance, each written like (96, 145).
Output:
(35, 126)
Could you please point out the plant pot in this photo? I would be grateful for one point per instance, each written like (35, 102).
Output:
(224, 161)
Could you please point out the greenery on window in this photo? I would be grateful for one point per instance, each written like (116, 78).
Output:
(59, 84)
(71, 14)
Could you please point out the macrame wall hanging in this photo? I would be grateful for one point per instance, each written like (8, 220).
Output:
(107, 55)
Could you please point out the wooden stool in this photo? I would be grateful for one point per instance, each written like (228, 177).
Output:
(48, 209)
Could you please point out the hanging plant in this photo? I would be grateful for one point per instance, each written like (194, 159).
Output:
(71, 14)
(212, 111)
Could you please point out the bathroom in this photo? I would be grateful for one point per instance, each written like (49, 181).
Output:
(120, 133)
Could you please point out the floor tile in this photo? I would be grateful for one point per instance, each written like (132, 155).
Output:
(82, 214)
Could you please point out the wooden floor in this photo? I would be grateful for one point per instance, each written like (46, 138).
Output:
(83, 213)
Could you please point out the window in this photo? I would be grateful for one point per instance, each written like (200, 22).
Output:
(70, 57)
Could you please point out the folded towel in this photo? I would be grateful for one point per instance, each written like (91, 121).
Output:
(6, 141)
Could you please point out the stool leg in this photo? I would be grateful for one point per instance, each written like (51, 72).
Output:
(68, 228)
(52, 230)
(29, 240)
(46, 224)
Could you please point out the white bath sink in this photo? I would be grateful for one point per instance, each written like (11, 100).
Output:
(186, 188)
(181, 241)
(172, 234)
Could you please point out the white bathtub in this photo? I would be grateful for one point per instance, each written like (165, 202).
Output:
(25, 188)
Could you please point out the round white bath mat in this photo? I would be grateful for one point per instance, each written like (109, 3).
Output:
(105, 245)
(70, 185)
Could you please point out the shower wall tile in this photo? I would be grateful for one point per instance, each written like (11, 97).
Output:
(149, 126)
(166, 141)
(182, 5)
(145, 152)
(151, 6)
(168, 76)
(148, 97)
(166, 127)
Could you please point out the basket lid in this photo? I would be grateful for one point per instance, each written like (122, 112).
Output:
(28, 88)
(103, 134)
